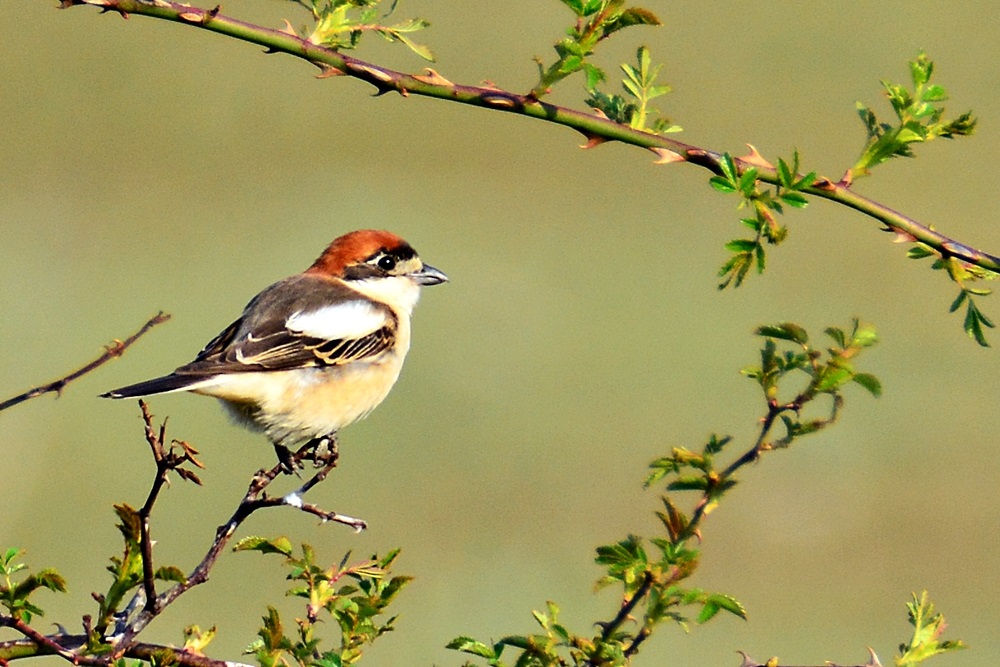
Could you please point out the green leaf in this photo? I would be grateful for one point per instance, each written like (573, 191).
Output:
(688, 484)
(722, 184)
(279, 545)
(974, 322)
(920, 252)
(794, 199)
(473, 647)
(784, 331)
(926, 642)
(170, 573)
(869, 382)
(740, 245)
(517, 641)
(834, 376)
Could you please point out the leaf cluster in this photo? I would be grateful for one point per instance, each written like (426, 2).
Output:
(919, 118)
(596, 20)
(639, 85)
(650, 574)
(127, 575)
(18, 588)
(965, 276)
(928, 626)
(765, 204)
(340, 24)
(353, 595)
(826, 371)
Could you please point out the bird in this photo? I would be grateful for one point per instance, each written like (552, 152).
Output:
(314, 352)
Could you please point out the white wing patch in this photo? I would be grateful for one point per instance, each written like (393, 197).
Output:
(342, 321)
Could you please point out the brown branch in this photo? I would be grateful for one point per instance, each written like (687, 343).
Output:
(112, 351)
(48, 645)
(254, 499)
(65, 645)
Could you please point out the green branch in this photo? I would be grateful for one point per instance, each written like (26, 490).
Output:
(595, 128)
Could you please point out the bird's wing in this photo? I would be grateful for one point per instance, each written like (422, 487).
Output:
(290, 325)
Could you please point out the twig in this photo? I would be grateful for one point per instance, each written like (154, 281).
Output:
(254, 499)
(49, 645)
(609, 628)
(64, 645)
(112, 351)
(590, 125)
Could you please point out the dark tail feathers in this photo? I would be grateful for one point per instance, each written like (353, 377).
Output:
(159, 385)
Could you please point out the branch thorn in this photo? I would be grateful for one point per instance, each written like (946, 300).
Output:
(666, 156)
(755, 158)
(433, 78)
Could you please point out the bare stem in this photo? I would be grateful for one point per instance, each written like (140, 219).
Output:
(112, 351)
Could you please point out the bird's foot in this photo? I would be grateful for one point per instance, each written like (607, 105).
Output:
(287, 462)
(323, 451)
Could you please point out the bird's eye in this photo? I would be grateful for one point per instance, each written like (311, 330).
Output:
(386, 263)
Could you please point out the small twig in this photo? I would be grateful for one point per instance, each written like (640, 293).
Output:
(254, 499)
(66, 644)
(49, 645)
(156, 445)
(112, 351)
(609, 628)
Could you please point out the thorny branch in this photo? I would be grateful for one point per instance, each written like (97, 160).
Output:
(112, 351)
(595, 128)
(65, 646)
(146, 604)
(255, 499)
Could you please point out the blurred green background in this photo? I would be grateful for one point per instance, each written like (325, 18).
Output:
(146, 166)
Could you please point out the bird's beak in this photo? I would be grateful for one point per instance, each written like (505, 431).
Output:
(428, 275)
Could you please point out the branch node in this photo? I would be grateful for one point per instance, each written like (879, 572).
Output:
(500, 101)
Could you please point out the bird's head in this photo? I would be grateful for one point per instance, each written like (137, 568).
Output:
(377, 263)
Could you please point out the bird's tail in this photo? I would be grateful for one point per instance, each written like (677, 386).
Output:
(160, 385)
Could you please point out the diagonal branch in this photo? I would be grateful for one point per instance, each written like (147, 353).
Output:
(595, 128)
(112, 351)
(65, 646)
(254, 499)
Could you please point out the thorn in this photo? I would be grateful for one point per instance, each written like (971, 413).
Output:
(489, 85)
(747, 660)
(901, 236)
(755, 158)
(600, 114)
(593, 141)
(326, 71)
(433, 78)
(288, 29)
(666, 156)
(872, 658)
(824, 184)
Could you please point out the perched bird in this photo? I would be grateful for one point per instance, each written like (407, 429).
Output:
(314, 352)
